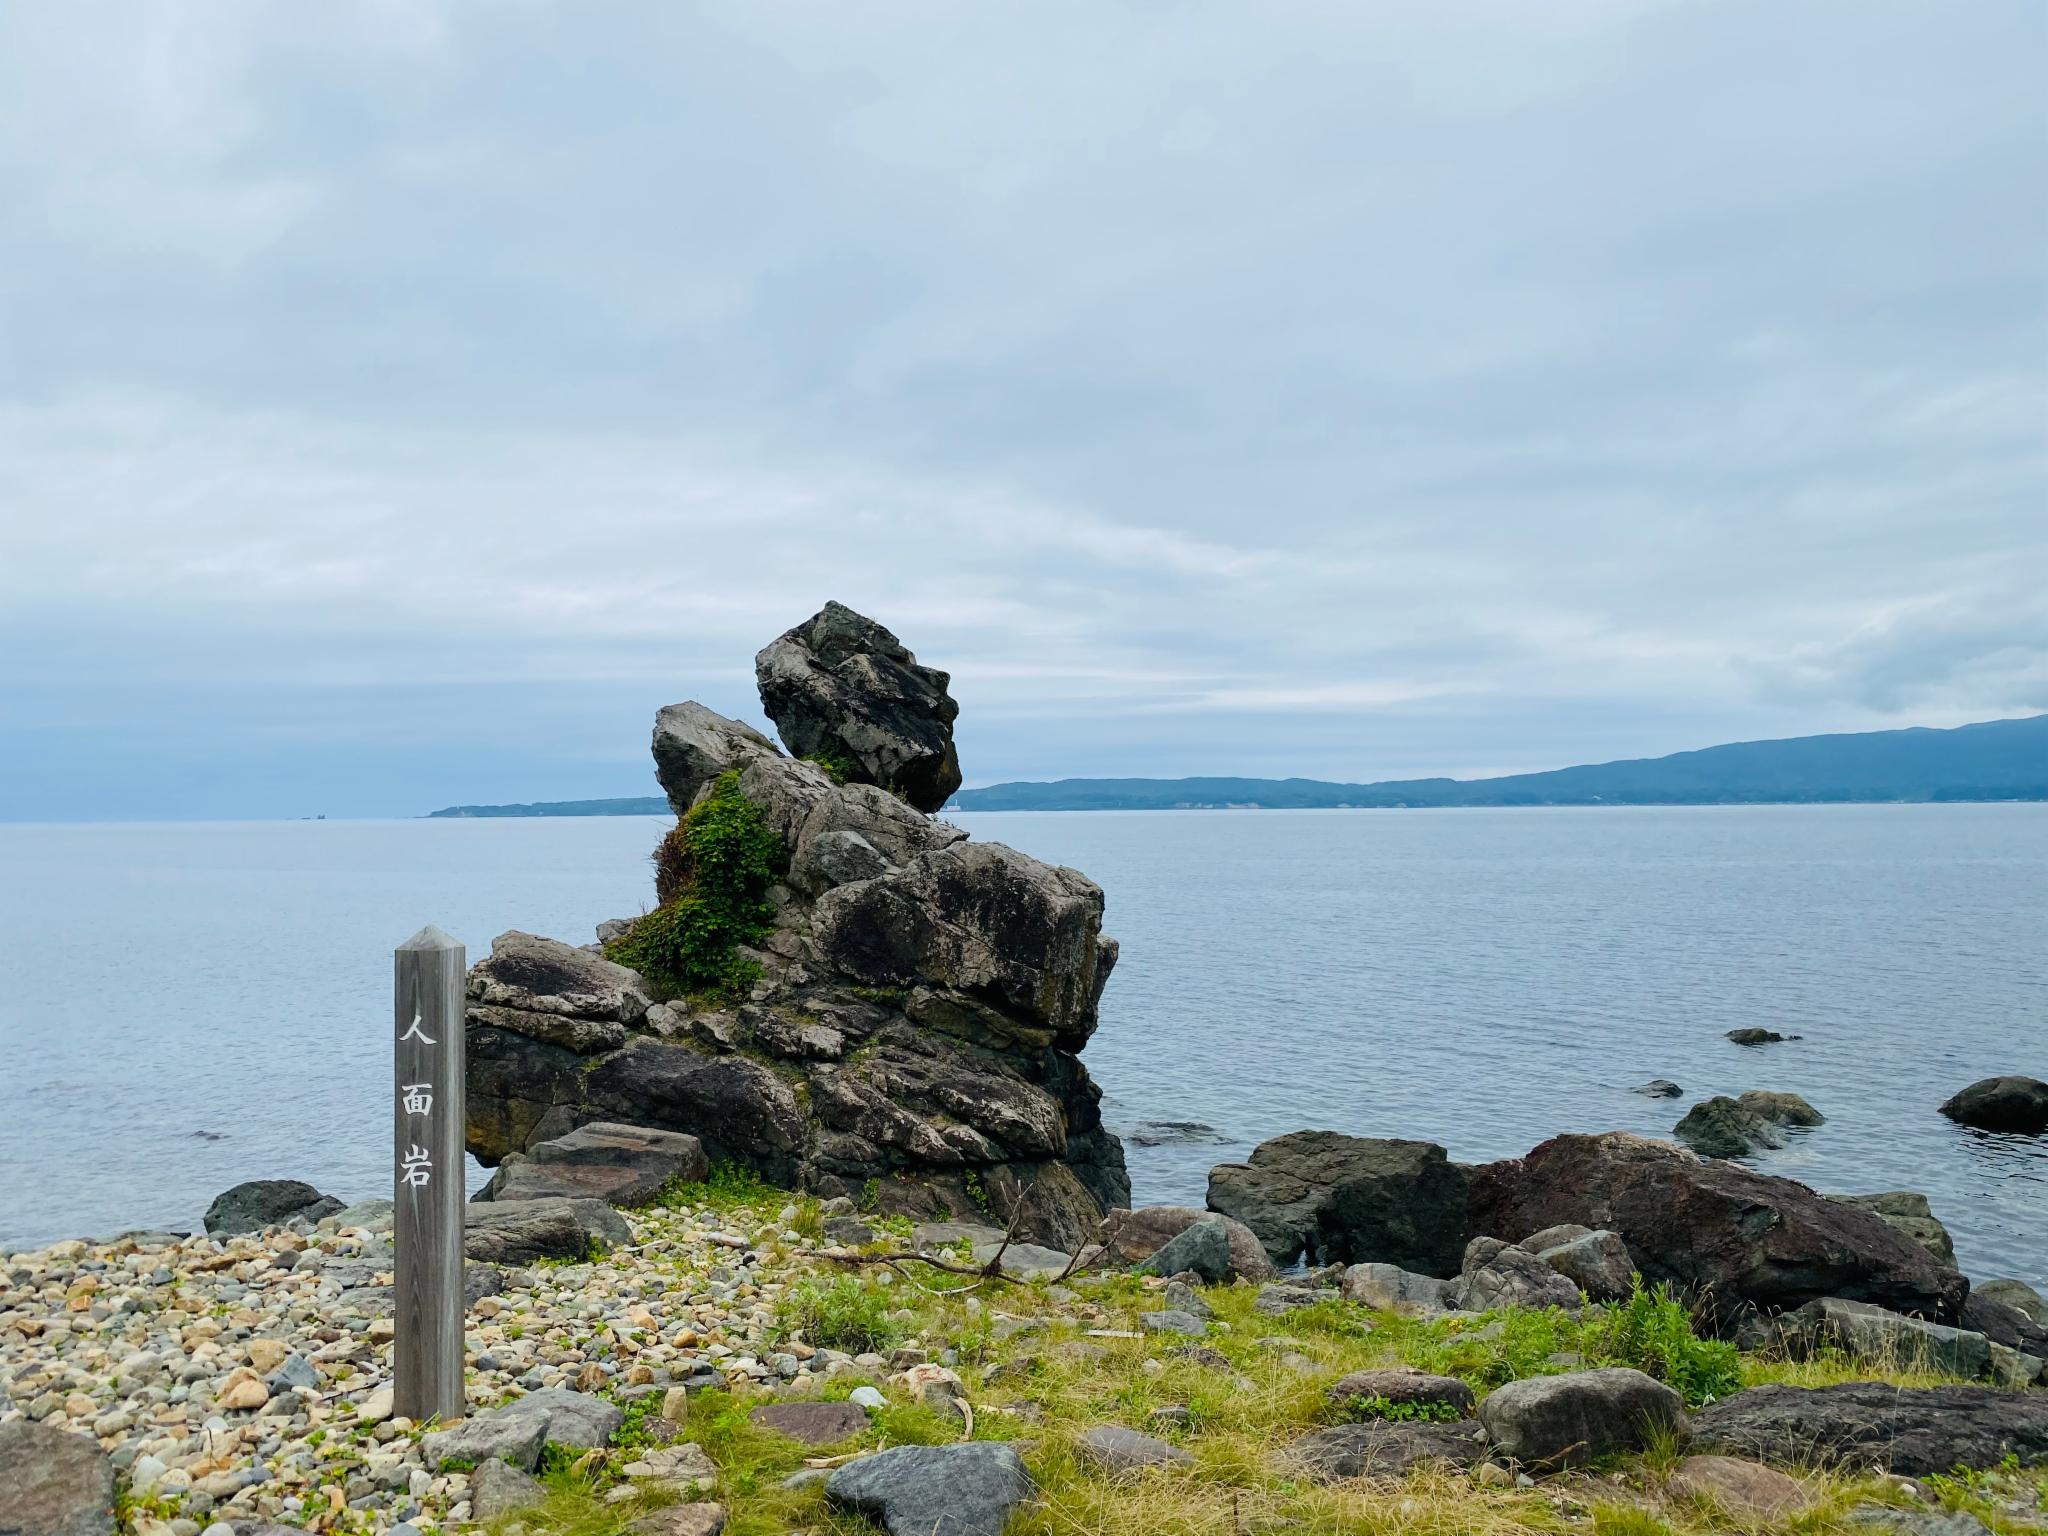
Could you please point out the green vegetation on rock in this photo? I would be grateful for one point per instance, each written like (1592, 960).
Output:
(713, 873)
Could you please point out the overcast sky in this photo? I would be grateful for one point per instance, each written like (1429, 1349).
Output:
(399, 402)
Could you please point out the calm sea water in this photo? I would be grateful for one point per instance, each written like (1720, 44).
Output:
(186, 1006)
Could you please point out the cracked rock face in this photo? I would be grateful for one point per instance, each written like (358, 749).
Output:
(839, 687)
(913, 1040)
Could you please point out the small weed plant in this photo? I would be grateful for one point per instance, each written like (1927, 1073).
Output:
(838, 765)
(1386, 1408)
(840, 1313)
(1653, 1332)
(729, 1186)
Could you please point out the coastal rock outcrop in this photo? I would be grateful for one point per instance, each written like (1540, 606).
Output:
(2002, 1104)
(618, 1164)
(1907, 1430)
(1908, 1213)
(1349, 1200)
(835, 991)
(1736, 1239)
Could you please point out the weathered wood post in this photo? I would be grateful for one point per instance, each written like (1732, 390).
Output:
(427, 1175)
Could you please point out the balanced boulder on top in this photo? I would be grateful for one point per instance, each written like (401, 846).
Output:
(844, 691)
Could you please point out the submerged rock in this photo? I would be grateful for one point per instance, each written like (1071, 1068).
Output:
(1164, 1133)
(1725, 1127)
(1780, 1108)
(1758, 1037)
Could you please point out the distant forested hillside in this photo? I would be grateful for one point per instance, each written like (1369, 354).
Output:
(643, 805)
(1995, 760)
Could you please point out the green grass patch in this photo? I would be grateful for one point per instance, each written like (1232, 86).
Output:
(1653, 1332)
(843, 1312)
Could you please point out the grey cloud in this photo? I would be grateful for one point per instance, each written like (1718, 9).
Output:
(1344, 375)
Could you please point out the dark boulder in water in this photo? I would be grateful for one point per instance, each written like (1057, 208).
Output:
(1780, 1108)
(1725, 1127)
(2002, 1104)
(1165, 1133)
(1758, 1037)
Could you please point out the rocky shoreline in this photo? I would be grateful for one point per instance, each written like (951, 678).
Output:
(172, 1385)
(804, 1218)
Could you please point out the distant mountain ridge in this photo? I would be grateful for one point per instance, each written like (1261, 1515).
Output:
(1992, 760)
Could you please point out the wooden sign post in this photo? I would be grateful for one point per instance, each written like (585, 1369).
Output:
(427, 1175)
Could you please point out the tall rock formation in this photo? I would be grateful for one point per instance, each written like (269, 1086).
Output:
(908, 1007)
